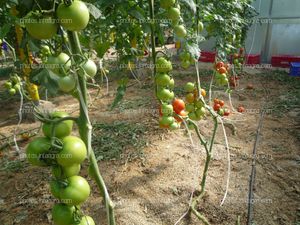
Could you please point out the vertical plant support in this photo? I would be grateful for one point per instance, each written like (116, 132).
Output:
(85, 129)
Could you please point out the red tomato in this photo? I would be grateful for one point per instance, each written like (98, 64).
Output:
(178, 105)
(222, 70)
(226, 112)
(221, 103)
(217, 107)
(219, 65)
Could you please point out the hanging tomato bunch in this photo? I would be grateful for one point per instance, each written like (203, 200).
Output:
(64, 154)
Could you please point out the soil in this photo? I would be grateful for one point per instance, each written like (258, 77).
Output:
(155, 189)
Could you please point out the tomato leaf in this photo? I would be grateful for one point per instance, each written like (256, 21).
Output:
(5, 71)
(46, 78)
(4, 30)
(94, 11)
(193, 49)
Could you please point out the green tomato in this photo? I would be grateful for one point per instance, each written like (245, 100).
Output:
(185, 56)
(162, 79)
(189, 87)
(172, 84)
(90, 68)
(87, 220)
(8, 85)
(185, 64)
(165, 95)
(76, 191)
(36, 148)
(200, 112)
(193, 116)
(59, 63)
(64, 172)
(73, 152)
(41, 27)
(166, 120)
(180, 31)
(55, 188)
(173, 13)
(174, 126)
(17, 87)
(163, 65)
(166, 4)
(200, 26)
(74, 17)
(45, 50)
(190, 108)
(67, 83)
(167, 109)
(12, 91)
(15, 78)
(61, 129)
(63, 214)
(221, 112)
(199, 104)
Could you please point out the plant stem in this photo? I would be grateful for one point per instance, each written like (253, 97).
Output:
(85, 129)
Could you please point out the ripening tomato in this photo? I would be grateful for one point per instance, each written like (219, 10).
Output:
(74, 17)
(221, 112)
(73, 151)
(76, 191)
(226, 112)
(63, 214)
(178, 105)
(190, 97)
(236, 56)
(61, 129)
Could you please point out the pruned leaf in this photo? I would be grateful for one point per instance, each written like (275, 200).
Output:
(94, 11)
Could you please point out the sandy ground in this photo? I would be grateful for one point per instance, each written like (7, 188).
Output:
(156, 189)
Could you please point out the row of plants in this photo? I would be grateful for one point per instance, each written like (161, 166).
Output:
(53, 60)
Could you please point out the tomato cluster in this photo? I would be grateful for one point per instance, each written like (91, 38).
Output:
(219, 107)
(64, 153)
(173, 14)
(195, 107)
(238, 58)
(186, 59)
(13, 84)
(165, 85)
(222, 71)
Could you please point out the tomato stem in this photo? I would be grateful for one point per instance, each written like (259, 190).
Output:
(85, 129)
